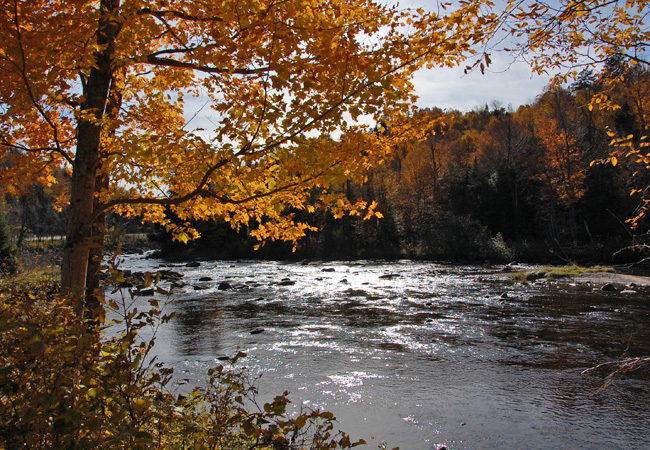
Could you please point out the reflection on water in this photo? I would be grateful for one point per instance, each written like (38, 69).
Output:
(422, 355)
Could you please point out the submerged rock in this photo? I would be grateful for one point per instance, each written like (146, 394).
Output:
(224, 286)
(193, 264)
(205, 279)
(535, 275)
(510, 267)
(170, 275)
(389, 276)
(144, 292)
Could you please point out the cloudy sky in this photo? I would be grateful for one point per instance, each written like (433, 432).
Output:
(451, 89)
(509, 84)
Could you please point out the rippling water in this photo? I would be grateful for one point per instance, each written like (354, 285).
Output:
(421, 355)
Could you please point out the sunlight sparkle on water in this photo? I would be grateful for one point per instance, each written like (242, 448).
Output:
(351, 379)
(409, 352)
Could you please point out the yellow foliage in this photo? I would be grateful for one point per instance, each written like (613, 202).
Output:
(214, 109)
(568, 36)
(566, 168)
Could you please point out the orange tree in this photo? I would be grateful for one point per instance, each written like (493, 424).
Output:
(566, 37)
(113, 89)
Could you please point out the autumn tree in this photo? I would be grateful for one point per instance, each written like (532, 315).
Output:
(569, 38)
(115, 90)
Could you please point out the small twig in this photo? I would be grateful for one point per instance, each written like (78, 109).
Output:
(622, 366)
(626, 365)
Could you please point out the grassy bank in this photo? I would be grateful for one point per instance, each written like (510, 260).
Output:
(556, 272)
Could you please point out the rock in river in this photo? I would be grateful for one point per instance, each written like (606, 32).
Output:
(224, 286)
(170, 275)
(389, 276)
(144, 292)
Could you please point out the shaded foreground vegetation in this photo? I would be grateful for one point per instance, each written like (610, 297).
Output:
(63, 385)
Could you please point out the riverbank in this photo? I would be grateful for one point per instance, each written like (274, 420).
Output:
(616, 279)
(597, 275)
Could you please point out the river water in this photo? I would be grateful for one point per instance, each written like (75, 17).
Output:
(420, 355)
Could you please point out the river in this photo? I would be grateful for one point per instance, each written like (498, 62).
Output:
(420, 355)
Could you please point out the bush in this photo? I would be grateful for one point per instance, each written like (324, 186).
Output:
(458, 238)
(62, 385)
(7, 261)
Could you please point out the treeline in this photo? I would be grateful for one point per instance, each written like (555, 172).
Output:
(491, 184)
(35, 209)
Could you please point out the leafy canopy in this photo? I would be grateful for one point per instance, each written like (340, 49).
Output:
(216, 108)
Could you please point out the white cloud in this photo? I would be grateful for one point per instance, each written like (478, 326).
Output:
(451, 89)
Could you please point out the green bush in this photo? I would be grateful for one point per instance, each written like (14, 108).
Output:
(63, 385)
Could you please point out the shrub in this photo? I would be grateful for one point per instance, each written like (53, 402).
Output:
(458, 238)
(7, 262)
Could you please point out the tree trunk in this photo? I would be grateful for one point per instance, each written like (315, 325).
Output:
(76, 255)
(94, 295)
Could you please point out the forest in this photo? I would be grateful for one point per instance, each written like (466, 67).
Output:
(493, 184)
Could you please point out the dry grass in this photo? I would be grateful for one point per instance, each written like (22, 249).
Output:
(556, 272)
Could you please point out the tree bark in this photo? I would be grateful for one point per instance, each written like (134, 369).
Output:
(93, 307)
(76, 255)
(94, 293)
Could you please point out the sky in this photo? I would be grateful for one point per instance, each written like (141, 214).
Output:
(452, 89)
(506, 82)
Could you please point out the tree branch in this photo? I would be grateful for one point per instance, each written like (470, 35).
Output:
(177, 15)
(169, 62)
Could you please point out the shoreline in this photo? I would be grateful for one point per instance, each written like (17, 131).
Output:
(616, 279)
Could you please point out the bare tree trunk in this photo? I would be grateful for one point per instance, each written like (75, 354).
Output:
(76, 255)
(94, 295)
(77, 251)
